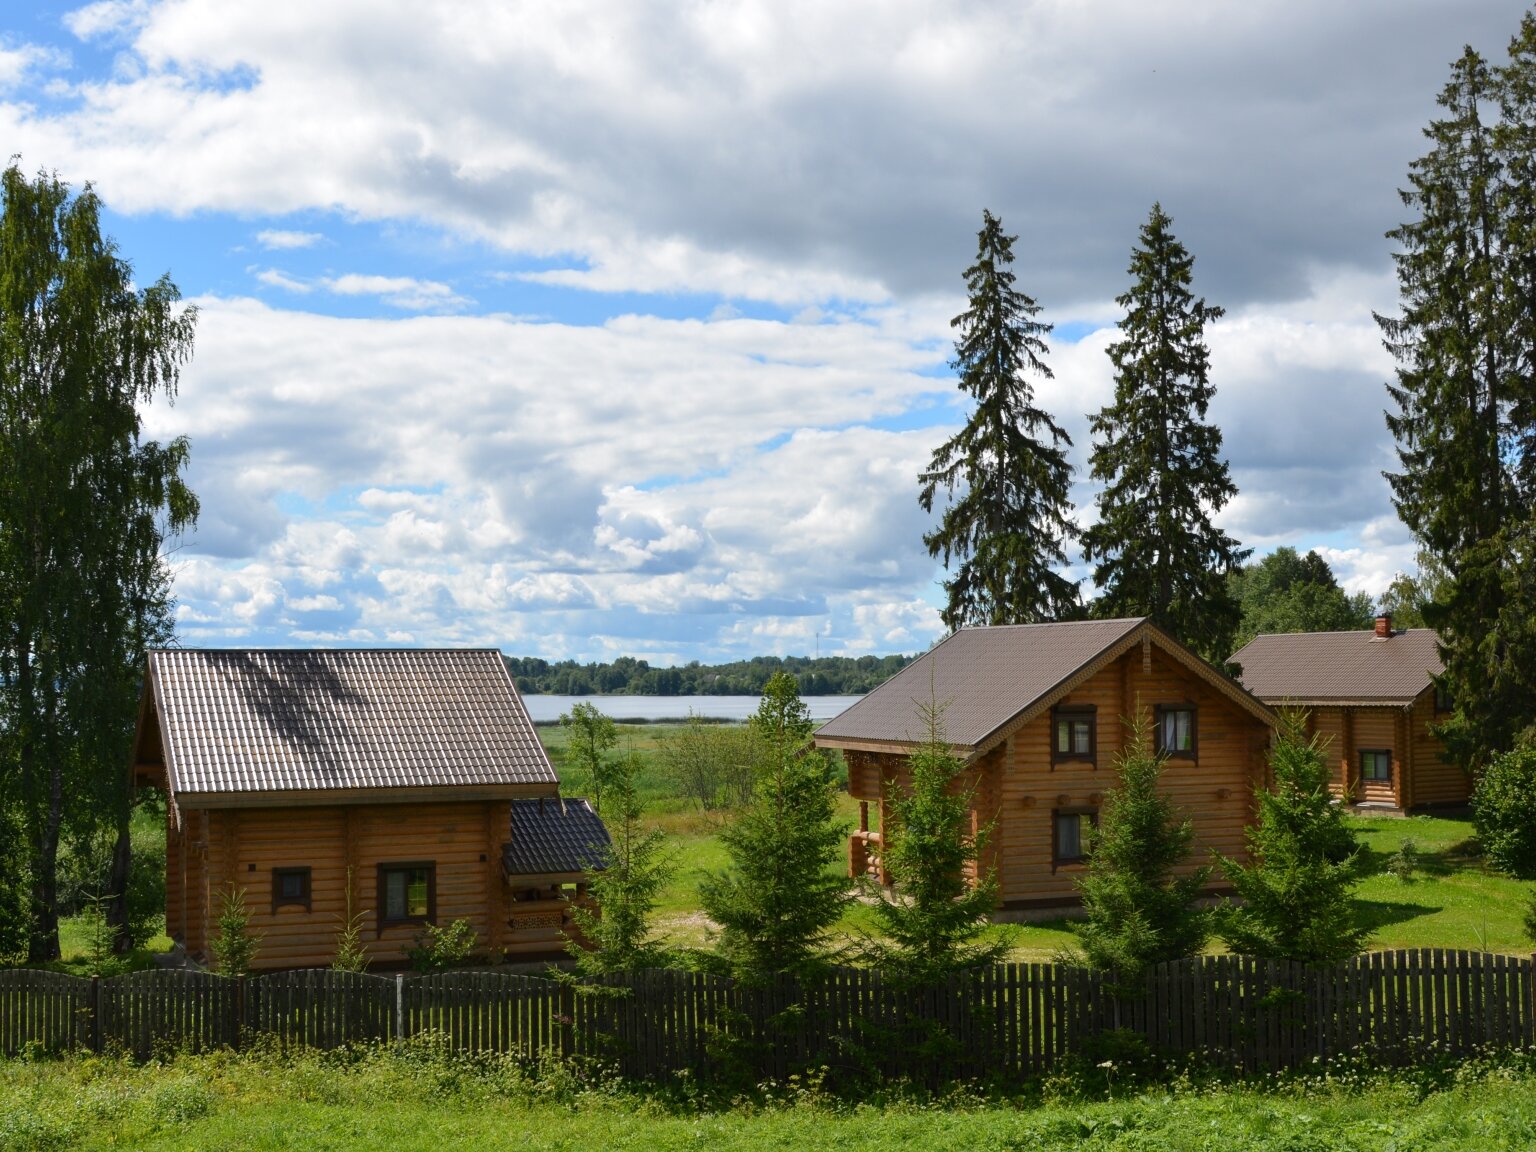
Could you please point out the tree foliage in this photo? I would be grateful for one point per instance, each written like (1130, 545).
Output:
(1155, 550)
(1288, 592)
(627, 676)
(85, 505)
(1296, 888)
(942, 895)
(1007, 521)
(589, 737)
(1504, 812)
(1141, 900)
(235, 944)
(782, 894)
(618, 936)
(1465, 391)
(714, 765)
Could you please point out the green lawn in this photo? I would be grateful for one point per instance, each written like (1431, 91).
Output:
(418, 1100)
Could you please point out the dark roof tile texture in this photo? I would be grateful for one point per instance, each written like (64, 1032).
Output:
(984, 677)
(1308, 667)
(277, 720)
(551, 837)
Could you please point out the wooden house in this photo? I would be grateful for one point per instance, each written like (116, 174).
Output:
(412, 780)
(1037, 712)
(1372, 698)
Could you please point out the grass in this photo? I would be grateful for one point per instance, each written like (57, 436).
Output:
(1452, 901)
(435, 1101)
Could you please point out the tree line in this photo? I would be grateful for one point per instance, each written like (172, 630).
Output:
(814, 676)
(1463, 417)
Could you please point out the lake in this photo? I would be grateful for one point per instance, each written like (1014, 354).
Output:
(550, 708)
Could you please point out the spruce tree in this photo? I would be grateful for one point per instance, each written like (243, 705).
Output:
(1296, 888)
(782, 895)
(1006, 472)
(1140, 911)
(935, 917)
(636, 866)
(1157, 553)
(1465, 345)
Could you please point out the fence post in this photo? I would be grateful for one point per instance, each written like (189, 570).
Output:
(96, 1014)
(399, 1008)
(241, 1024)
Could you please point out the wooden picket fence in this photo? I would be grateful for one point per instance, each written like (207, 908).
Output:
(1011, 1020)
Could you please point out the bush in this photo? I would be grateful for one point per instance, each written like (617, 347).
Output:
(439, 948)
(1504, 812)
(1404, 862)
(234, 948)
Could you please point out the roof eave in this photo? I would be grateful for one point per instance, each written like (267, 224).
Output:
(325, 797)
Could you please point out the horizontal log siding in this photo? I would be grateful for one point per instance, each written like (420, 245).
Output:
(1229, 742)
(1434, 780)
(451, 836)
(1377, 728)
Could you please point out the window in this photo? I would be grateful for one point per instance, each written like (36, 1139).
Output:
(1176, 731)
(1442, 698)
(407, 893)
(1075, 735)
(1375, 765)
(1070, 835)
(290, 886)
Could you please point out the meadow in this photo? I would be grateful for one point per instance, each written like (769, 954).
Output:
(437, 1100)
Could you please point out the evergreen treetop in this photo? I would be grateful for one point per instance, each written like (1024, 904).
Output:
(1008, 518)
(1158, 553)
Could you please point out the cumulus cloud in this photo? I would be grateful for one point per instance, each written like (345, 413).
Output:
(404, 292)
(783, 149)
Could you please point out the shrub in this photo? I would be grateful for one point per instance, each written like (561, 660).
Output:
(1504, 812)
(439, 948)
(1404, 862)
(351, 955)
(1529, 921)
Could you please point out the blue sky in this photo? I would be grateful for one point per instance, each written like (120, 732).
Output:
(601, 329)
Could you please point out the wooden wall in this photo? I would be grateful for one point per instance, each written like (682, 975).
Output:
(1018, 789)
(243, 846)
(1420, 775)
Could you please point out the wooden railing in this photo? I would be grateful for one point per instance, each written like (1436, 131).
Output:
(1011, 1020)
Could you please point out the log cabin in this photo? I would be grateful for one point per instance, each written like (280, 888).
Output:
(408, 786)
(1037, 713)
(1372, 699)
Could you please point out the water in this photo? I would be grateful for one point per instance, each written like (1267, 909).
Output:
(550, 708)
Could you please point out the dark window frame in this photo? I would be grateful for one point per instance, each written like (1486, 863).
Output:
(1057, 859)
(1375, 752)
(381, 893)
(1190, 753)
(306, 901)
(1075, 712)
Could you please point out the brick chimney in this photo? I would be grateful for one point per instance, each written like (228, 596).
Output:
(1384, 627)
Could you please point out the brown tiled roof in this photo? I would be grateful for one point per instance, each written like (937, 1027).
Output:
(1317, 667)
(550, 837)
(253, 721)
(985, 677)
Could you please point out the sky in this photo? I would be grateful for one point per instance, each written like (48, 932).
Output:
(597, 329)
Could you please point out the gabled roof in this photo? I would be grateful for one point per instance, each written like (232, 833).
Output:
(554, 837)
(319, 726)
(992, 680)
(1340, 667)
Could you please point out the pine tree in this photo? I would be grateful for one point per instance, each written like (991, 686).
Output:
(589, 737)
(1296, 888)
(783, 894)
(935, 917)
(1140, 912)
(1465, 345)
(1157, 552)
(1010, 523)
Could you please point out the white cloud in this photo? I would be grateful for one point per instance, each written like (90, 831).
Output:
(282, 239)
(21, 63)
(784, 149)
(405, 292)
(273, 278)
